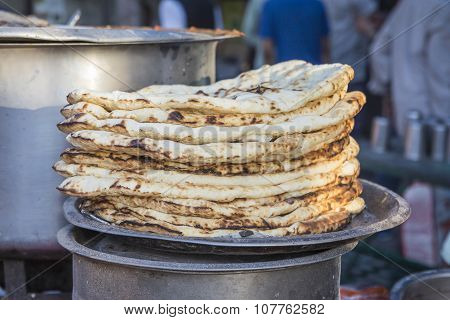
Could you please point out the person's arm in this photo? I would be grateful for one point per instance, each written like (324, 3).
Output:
(325, 46)
(267, 33)
(365, 26)
(172, 15)
(250, 25)
(218, 17)
(380, 57)
(364, 11)
(325, 52)
(269, 51)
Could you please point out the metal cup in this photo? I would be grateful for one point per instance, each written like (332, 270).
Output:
(438, 142)
(411, 116)
(379, 134)
(414, 140)
(414, 115)
(429, 122)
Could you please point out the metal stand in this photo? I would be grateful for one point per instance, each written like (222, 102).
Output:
(15, 279)
(15, 284)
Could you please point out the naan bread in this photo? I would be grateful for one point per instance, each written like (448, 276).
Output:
(266, 153)
(344, 110)
(120, 161)
(278, 206)
(90, 186)
(195, 119)
(283, 87)
(174, 177)
(285, 147)
(326, 222)
(248, 221)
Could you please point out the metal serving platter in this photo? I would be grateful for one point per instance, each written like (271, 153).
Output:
(384, 210)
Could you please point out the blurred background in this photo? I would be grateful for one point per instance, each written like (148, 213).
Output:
(400, 53)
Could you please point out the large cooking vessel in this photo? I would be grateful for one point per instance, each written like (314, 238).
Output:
(37, 70)
(111, 267)
(427, 285)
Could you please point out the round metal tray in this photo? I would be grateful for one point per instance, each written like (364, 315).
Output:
(384, 210)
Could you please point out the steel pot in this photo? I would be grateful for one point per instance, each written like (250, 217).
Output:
(34, 81)
(427, 285)
(107, 267)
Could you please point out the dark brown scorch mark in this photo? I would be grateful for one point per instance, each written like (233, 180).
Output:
(211, 119)
(176, 116)
(200, 92)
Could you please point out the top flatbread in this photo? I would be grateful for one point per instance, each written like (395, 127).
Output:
(194, 119)
(283, 87)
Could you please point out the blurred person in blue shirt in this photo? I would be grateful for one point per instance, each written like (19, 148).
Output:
(294, 29)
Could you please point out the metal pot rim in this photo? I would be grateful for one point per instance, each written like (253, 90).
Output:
(60, 35)
(399, 288)
(95, 44)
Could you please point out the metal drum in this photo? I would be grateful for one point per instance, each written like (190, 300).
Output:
(107, 267)
(35, 78)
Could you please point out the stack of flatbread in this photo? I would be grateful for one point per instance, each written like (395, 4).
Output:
(267, 153)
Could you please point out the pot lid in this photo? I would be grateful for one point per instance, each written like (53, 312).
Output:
(110, 35)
